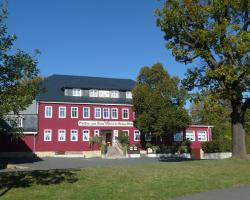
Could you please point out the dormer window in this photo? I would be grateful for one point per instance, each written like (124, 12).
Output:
(128, 94)
(114, 94)
(103, 93)
(93, 93)
(77, 92)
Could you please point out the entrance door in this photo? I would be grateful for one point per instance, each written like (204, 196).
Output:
(109, 138)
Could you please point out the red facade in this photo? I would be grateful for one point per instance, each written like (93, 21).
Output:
(55, 123)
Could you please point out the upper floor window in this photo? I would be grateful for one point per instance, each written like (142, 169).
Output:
(86, 112)
(190, 135)
(114, 94)
(74, 112)
(93, 93)
(106, 113)
(137, 135)
(48, 111)
(202, 136)
(128, 94)
(62, 112)
(114, 113)
(97, 113)
(47, 135)
(125, 113)
(77, 92)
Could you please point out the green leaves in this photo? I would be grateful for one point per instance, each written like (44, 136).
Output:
(158, 100)
(19, 81)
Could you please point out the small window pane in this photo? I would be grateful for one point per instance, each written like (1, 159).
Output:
(85, 135)
(61, 135)
(47, 135)
(114, 113)
(85, 112)
(74, 135)
(98, 113)
(137, 136)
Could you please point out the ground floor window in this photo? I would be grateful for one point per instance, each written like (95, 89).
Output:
(73, 135)
(47, 135)
(96, 132)
(148, 137)
(85, 135)
(178, 137)
(202, 136)
(137, 135)
(190, 135)
(61, 135)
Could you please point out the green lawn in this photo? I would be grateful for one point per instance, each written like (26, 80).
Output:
(152, 181)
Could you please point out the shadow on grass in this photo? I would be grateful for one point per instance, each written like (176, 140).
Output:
(173, 159)
(9, 180)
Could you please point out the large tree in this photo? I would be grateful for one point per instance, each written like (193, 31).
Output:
(207, 109)
(18, 74)
(158, 101)
(216, 33)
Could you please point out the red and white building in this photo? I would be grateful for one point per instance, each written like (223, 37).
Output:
(72, 109)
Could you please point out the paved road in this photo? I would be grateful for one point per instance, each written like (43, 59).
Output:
(235, 193)
(66, 163)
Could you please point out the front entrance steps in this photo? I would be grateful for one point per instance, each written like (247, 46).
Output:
(115, 151)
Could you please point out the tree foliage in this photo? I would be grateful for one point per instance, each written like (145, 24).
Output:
(18, 73)
(217, 34)
(209, 110)
(158, 101)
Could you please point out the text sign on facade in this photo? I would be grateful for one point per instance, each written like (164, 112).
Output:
(106, 123)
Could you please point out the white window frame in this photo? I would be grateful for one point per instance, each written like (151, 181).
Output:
(115, 133)
(202, 140)
(128, 95)
(59, 113)
(93, 93)
(96, 132)
(19, 121)
(193, 135)
(72, 112)
(61, 131)
(44, 136)
(126, 131)
(116, 113)
(104, 112)
(88, 113)
(114, 94)
(88, 135)
(104, 93)
(123, 113)
(100, 109)
(137, 131)
(51, 111)
(71, 134)
(76, 92)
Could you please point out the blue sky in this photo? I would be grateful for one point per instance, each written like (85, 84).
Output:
(107, 38)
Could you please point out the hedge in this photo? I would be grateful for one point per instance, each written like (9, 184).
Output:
(217, 146)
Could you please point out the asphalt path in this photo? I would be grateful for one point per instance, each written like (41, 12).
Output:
(233, 193)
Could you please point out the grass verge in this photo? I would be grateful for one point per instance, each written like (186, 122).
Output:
(151, 181)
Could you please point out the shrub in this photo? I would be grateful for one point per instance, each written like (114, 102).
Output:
(217, 146)
(95, 140)
(156, 149)
(123, 137)
(148, 145)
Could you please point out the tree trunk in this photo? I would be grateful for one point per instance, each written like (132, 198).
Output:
(238, 132)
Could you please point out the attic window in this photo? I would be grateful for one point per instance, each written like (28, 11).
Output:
(77, 92)
(93, 93)
(128, 94)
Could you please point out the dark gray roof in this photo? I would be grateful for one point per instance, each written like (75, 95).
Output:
(53, 88)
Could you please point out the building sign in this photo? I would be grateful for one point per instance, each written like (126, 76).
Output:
(106, 123)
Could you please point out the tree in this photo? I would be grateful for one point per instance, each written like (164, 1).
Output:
(19, 81)
(207, 109)
(216, 33)
(158, 102)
